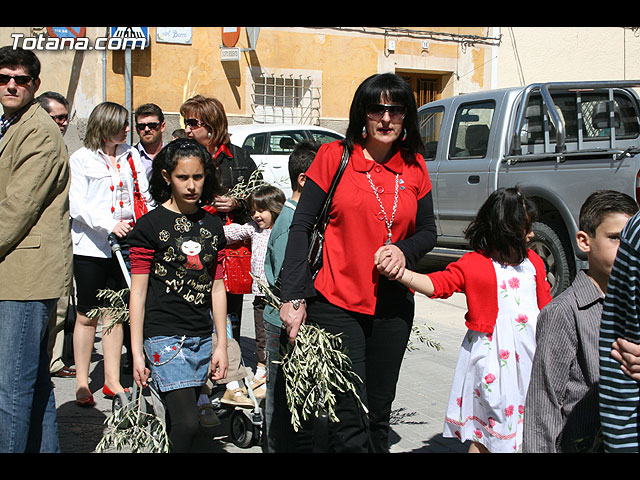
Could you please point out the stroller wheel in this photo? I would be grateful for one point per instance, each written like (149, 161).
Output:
(243, 431)
(119, 400)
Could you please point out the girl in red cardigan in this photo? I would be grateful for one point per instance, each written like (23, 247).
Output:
(505, 285)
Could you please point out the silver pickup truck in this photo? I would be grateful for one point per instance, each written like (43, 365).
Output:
(558, 142)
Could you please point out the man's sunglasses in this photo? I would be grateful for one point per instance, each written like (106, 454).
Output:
(151, 125)
(376, 111)
(60, 118)
(19, 79)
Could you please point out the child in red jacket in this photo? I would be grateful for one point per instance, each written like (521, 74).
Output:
(505, 285)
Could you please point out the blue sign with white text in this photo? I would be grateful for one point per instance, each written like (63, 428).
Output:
(133, 35)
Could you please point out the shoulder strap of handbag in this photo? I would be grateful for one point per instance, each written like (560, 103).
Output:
(323, 219)
(134, 174)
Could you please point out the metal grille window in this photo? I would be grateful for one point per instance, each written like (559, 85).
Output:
(285, 98)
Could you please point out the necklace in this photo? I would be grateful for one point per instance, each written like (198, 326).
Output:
(387, 222)
(112, 187)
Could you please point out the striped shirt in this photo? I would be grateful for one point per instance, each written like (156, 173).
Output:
(619, 394)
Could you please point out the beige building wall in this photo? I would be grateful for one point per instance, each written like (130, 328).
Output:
(336, 59)
(543, 54)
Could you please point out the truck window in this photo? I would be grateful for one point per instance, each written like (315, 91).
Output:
(596, 114)
(430, 121)
(471, 128)
(594, 110)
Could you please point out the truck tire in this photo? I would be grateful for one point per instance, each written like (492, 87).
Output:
(550, 243)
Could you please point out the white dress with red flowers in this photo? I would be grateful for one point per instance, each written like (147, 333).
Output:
(492, 375)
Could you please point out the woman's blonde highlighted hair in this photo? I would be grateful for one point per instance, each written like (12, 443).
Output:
(105, 121)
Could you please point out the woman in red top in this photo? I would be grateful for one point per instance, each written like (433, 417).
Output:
(383, 200)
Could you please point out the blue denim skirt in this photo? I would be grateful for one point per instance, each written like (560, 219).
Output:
(178, 361)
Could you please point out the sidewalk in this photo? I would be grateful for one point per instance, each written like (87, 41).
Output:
(417, 415)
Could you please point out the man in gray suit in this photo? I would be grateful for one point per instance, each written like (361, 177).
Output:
(35, 254)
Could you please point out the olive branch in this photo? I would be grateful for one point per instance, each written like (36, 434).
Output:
(418, 332)
(117, 312)
(315, 369)
(131, 426)
(243, 189)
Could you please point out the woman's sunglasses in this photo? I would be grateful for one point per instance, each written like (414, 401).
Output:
(193, 123)
(376, 111)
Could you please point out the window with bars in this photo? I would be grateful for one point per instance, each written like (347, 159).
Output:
(285, 98)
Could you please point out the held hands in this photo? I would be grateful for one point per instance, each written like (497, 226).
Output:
(292, 319)
(390, 262)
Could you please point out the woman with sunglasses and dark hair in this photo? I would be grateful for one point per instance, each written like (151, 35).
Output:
(382, 208)
(206, 122)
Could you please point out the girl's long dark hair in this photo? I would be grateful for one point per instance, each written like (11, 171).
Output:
(167, 159)
(502, 224)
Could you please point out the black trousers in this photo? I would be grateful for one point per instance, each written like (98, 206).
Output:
(376, 345)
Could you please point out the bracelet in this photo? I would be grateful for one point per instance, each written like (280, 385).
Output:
(297, 302)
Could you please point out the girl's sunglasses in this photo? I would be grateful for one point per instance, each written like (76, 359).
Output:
(376, 111)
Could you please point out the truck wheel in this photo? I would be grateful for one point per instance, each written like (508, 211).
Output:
(548, 244)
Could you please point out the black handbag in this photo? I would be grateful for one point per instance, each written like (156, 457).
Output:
(316, 239)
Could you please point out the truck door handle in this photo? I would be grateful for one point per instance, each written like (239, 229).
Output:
(474, 179)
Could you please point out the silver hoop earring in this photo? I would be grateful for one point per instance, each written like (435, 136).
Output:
(364, 131)
(404, 134)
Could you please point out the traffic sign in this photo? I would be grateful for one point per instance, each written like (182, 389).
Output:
(230, 36)
(134, 34)
(67, 32)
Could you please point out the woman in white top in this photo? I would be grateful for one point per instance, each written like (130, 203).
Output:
(101, 199)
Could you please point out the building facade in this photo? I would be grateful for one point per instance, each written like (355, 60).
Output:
(309, 74)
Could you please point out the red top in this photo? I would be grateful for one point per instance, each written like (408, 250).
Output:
(348, 277)
(475, 275)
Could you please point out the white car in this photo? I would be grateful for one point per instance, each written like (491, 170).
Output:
(271, 144)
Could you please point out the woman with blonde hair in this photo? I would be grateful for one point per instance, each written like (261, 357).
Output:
(105, 174)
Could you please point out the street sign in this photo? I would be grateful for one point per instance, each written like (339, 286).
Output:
(230, 36)
(66, 32)
(134, 34)
(230, 54)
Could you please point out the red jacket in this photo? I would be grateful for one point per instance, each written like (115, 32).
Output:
(474, 275)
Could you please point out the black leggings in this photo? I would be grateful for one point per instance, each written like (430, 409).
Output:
(182, 417)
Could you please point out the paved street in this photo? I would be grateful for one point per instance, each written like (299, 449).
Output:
(418, 411)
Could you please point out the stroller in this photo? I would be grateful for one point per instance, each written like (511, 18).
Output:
(245, 424)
